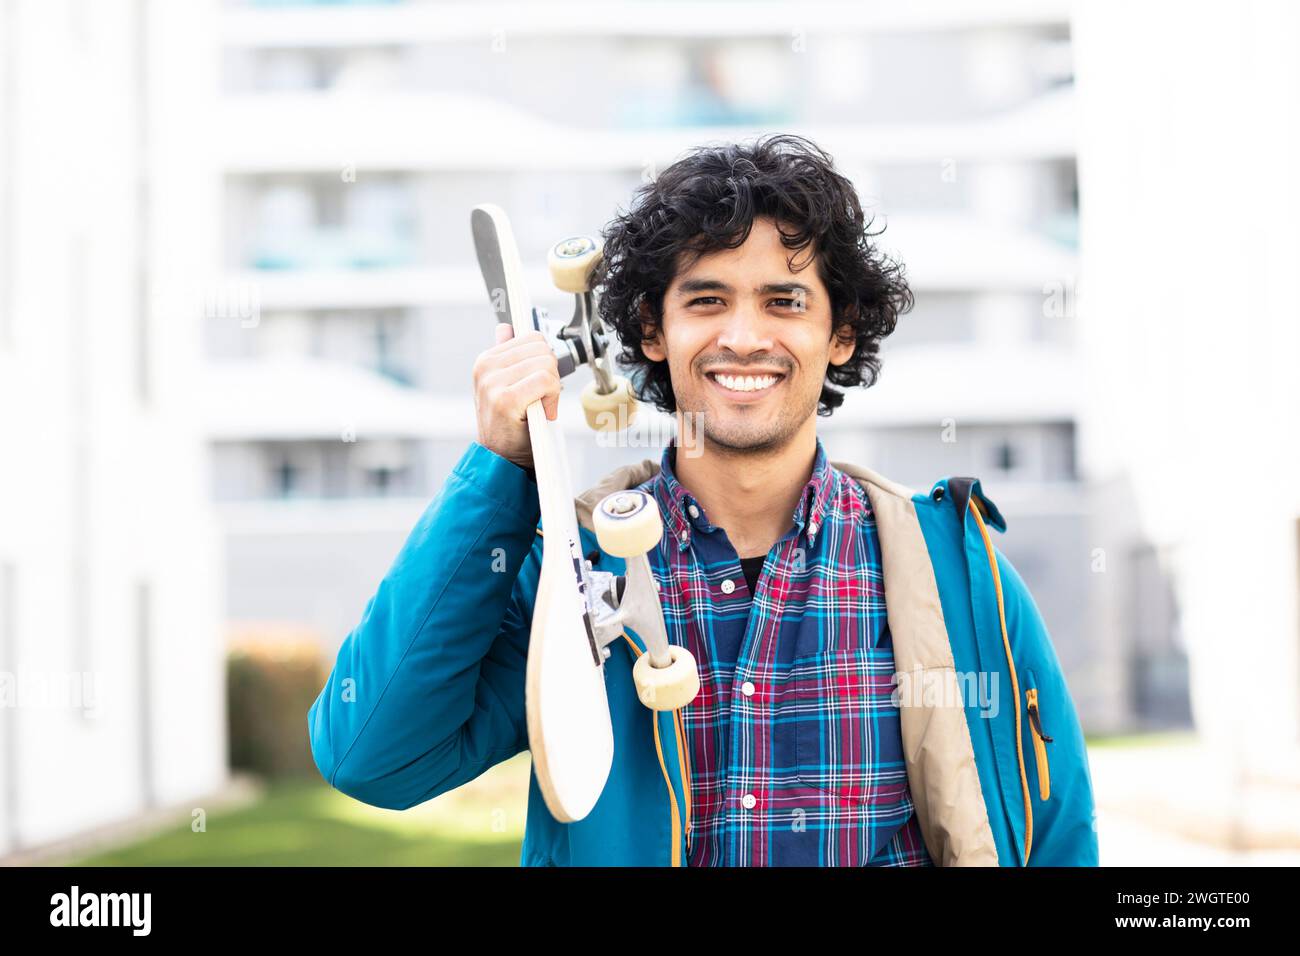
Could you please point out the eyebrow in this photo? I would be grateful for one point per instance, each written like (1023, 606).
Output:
(691, 286)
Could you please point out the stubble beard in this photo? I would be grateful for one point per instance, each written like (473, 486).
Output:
(747, 431)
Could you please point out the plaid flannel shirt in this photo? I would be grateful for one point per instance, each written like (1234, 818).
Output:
(795, 751)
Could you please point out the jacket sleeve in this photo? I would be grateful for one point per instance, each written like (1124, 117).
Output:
(1065, 831)
(427, 691)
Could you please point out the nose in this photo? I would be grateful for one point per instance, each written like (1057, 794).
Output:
(744, 331)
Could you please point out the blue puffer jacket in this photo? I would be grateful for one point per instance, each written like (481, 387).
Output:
(428, 690)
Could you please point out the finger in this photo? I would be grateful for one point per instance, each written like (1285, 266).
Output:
(532, 388)
(505, 331)
(510, 369)
(509, 343)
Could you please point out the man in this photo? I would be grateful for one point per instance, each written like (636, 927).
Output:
(877, 686)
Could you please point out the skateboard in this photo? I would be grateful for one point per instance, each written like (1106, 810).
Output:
(580, 611)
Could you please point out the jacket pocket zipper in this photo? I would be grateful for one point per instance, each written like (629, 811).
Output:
(684, 764)
(1041, 740)
(675, 853)
(1015, 683)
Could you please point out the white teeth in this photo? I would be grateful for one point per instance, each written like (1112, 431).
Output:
(745, 383)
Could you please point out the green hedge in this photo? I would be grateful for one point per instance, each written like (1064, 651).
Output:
(271, 683)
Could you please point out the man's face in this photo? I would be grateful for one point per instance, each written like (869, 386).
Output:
(747, 337)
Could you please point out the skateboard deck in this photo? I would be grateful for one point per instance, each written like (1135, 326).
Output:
(569, 729)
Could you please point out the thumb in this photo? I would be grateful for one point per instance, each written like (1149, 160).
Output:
(505, 331)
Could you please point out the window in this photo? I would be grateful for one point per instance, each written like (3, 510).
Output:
(1004, 456)
(286, 478)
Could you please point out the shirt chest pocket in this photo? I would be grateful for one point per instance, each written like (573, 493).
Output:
(847, 734)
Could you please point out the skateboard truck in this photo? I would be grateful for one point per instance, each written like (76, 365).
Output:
(607, 401)
(579, 611)
(627, 526)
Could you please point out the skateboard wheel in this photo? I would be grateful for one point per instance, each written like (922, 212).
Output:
(627, 524)
(571, 262)
(609, 411)
(667, 688)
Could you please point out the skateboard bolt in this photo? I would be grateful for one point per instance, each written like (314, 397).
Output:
(574, 247)
(623, 505)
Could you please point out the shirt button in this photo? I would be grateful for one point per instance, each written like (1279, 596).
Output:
(749, 801)
(728, 586)
(693, 511)
(812, 527)
(686, 535)
(747, 689)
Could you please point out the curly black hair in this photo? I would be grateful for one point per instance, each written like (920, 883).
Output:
(708, 201)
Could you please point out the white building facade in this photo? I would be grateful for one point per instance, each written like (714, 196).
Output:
(111, 659)
(1192, 325)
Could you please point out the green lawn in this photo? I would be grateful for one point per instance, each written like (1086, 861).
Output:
(306, 823)
(1162, 738)
(310, 824)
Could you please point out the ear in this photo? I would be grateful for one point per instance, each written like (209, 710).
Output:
(844, 341)
(653, 346)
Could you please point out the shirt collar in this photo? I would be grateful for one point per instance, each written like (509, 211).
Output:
(682, 513)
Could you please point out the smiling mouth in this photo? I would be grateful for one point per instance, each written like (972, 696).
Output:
(746, 385)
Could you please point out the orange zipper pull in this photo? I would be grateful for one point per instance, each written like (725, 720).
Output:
(1041, 740)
